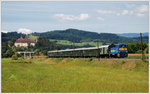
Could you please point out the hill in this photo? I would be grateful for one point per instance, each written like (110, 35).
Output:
(75, 35)
(11, 36)
(78, 36)
(133, 34)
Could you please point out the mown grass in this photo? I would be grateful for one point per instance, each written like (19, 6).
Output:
(138, 56)
(74, 75)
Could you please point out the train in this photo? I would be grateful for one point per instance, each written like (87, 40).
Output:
(113, 50)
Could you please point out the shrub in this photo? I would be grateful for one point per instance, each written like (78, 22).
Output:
(146, 50)
(139, 51)
(90, 59)
(9, 53)
(14, 57)
(18, 55)
(37, 52)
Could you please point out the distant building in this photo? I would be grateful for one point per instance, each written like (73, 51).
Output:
(24, 42)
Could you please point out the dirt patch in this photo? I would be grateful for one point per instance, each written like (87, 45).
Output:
(129, 66)
(64, 60)
(112, 63)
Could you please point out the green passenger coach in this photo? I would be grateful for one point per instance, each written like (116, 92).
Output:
(81, 52)
(113, 50)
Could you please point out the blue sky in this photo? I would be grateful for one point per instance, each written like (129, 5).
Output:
(108, 17)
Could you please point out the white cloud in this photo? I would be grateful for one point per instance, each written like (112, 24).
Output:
(24, 30)
(117, 14)
(140, 14)
(4, 31)
(131, 12)
(100, 18)
(141, 10)
(134, 10)
(108, 12)
(72, 17)
(138, 10)
(125, 12)
(83, 16)
(105, 11)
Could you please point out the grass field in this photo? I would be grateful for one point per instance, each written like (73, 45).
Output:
(66, 42)
(74, 75)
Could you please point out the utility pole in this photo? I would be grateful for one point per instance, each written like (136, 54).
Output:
(142, 46)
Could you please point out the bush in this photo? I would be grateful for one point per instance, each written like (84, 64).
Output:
(14, 57)
(18, 55)
(139, 51)
(146, 50)
(90, 59)
(37, 52)
(9, 53)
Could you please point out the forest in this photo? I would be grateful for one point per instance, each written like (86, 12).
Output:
(76, 35)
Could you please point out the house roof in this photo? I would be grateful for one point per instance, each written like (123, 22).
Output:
(24, 40)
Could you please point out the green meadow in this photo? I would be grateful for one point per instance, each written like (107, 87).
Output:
(66, 42)
(74, 75)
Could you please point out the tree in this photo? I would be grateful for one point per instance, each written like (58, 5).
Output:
(9, 52)
(14, 57)
(136, 47)
(37, 52)
(45, 45)
(4, 48)
(146, 51)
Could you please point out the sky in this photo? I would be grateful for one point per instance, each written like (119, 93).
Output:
(101, 17)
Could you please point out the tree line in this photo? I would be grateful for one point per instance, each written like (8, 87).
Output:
(75, 35)
(44, 44)
(136, 47)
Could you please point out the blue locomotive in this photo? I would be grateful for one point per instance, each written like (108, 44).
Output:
(119, 50)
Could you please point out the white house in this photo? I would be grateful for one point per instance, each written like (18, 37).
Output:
(24, 42)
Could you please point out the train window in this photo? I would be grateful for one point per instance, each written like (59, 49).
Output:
(117, 46)
(125, 45)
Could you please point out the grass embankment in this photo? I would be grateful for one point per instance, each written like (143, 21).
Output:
(138, 56)
(74, 75)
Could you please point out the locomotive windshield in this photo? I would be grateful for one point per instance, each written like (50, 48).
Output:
(125, 45)
(120, 46)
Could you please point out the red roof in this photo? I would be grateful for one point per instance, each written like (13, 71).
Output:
(24, 40)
